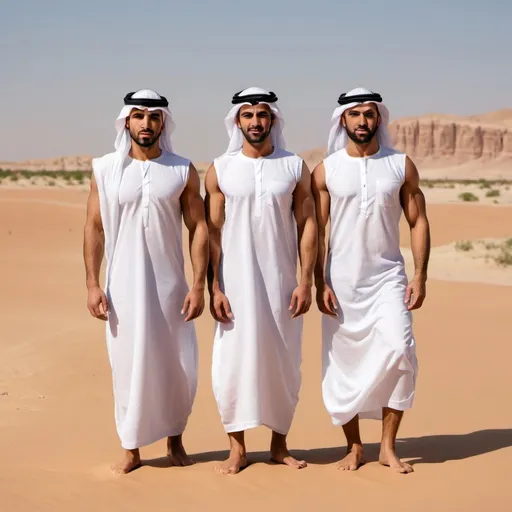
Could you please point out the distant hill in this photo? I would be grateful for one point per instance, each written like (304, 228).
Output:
(443, 146)
(66, 163)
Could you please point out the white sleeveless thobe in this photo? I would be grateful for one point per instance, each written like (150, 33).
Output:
(152, 350)
(369, 354)
(257, 357)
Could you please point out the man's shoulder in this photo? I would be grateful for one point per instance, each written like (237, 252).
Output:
(104, 159)
(395, 157)
(389, 151)
(333, 157)
(225, 157)
(102, 164)
(173, 159)
(284, 153)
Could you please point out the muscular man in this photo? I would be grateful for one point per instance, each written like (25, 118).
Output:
(260, 214)
(139, 194)
(369, 354)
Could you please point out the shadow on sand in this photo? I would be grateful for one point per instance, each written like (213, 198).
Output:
(432, 449)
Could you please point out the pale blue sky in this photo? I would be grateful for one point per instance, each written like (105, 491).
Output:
(66, 65)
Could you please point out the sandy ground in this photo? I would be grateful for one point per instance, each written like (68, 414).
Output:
(57, 434)
(474, 261)
(435, 192)
(448, 193)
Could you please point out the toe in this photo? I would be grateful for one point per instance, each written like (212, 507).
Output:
(295, 464)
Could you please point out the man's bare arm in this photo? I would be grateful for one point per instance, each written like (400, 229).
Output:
(192, 207)
(304, 211)
(215, 219)
(219, 304)
(93, 249)
(322, 207)
(325, 298)
(194, 218)
(414, 206)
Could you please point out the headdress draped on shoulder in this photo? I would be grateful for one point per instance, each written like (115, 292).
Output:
(338, 137)
(253, 96)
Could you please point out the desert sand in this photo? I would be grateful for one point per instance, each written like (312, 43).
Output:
(57, 433)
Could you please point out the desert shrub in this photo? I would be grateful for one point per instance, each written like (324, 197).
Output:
(464, 245)
(504, 257)
(468, 197)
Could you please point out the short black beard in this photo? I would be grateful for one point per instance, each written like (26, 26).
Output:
(145, 142)
(261, 138)
(365, 140)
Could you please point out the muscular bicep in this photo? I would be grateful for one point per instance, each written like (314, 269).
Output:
(303, 203)
(191, 201)
(214, 200)
(93, 216)
(411, 195)
(321, 196)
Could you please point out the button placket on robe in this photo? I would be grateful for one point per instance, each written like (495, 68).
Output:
(364, 185)
(145, 193)
(258, 187)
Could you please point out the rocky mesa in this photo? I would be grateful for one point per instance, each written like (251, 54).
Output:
(452, 145)
(442, 146)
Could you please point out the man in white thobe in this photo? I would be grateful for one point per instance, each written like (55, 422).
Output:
(369, 350)
(139, 195)
(260, 214)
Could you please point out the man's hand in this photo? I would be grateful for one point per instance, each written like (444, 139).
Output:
(220, 308)
(415, 293)
(97, 303)
(326, 300)
(301, 300)
(194, 304)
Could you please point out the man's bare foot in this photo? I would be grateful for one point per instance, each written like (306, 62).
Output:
(234, 463)
(130, 461)
(279, 453)
(352, 460)
(286, 459)
(388, 458)
(176, 452)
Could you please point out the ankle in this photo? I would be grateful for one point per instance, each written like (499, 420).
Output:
(355, 447)
(132, 454)
(278, 445)
(174, 442)
(387, 446)
(238, 451)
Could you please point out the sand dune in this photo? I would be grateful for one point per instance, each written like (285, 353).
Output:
(57, 435)
(471, 261)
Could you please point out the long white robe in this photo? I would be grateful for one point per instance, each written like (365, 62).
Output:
(153, 352)
(257, 357)
(369, 351)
